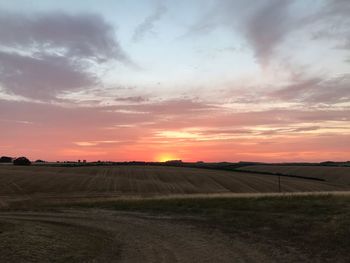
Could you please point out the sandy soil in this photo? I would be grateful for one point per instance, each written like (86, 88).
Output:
(109, 236)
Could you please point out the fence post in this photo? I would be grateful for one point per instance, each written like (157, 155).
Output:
(279, 183)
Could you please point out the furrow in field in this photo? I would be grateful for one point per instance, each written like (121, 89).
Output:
(145, 180)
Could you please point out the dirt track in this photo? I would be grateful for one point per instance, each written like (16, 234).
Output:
(107, 236)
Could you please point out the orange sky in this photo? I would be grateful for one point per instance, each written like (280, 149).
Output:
(190, 132)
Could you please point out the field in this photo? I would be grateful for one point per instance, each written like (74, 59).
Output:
(168, 214)
(45, 182)
(337, 175)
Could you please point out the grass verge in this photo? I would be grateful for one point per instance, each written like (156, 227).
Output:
(318, 226)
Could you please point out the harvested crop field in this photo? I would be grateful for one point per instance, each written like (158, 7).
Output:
(336, 175)
(143, 181)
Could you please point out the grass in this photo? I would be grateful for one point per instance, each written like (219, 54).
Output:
(318, 226)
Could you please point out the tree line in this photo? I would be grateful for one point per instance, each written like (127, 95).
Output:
(16, 161)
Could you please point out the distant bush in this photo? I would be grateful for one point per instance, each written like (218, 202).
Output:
(21, 161)
(5, 159)
(39, 161)
(173, 162)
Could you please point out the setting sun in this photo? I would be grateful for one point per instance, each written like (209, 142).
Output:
(166, 157)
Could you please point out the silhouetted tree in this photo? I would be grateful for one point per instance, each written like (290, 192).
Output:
(5, 159)
(21, 161)
(39, 161)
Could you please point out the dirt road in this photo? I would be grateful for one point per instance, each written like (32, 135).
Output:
(108, 236)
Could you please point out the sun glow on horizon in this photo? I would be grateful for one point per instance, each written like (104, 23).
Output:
(165, 157)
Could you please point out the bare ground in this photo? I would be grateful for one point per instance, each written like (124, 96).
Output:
(109, 236)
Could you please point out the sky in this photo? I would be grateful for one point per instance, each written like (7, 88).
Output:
(197, 80)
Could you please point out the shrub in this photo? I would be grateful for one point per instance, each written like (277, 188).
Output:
(21, 161)
(5, 159)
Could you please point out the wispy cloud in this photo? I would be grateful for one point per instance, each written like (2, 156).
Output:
(43, 76)
(266, 28)
(316, 90)
(81, 36)
(264, 24)
(148, 23)
(95, 143)
(44, 54)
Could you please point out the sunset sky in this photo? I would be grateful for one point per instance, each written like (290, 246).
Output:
(152, 80)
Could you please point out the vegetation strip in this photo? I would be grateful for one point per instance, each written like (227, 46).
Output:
(318, 225)
(278, 174)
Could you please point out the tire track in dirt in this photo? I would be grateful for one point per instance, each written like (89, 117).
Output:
(128, 237)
